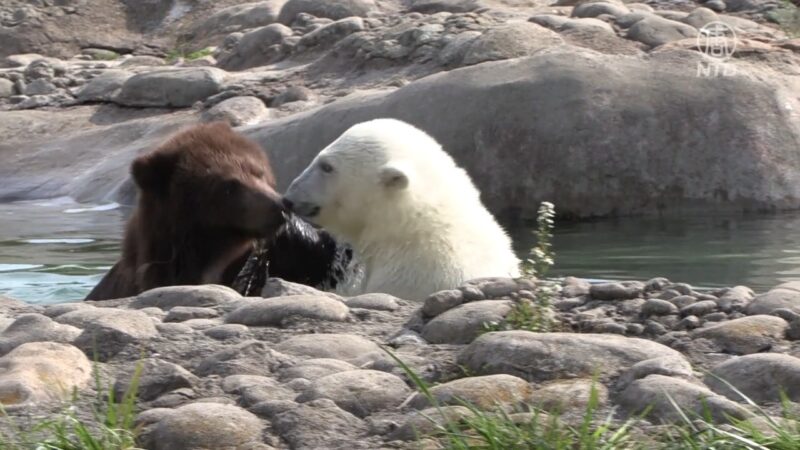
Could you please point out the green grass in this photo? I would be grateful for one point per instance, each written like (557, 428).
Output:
(112, 428)
(548, 430)
(175, 54)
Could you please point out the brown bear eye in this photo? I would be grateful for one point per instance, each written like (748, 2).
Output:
(325, 167)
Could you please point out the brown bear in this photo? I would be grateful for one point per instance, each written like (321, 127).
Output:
(204, 197)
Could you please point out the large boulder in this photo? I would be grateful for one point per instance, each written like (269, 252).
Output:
(554, 142)
(171, 87)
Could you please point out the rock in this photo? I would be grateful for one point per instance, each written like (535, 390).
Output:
(318, 424)
(183, 313)
(745, 335)
(464, 323)
(35, 328)
(333, 32)
(493, 287)
(379, 302)
(484, 392)
(658, 283)
(442, 301)
(155, 377)
(616, 291)
(258, 47)
(293, 94)
(227, 331)
(547, 356)
(345, 347)
(688, 323)
(6, 88)
(762, 378)
(568, 395)
(682, 301)
(273, 311)
(429, 421)
(451, 6)
(169, 297)
(42, 371)
(700, 308)
(198, 426)
(655, 31)
(793, 332)
(653, 391)
(106, 331)
(238, 111)
(359, 392)
(335, 10)
(63, 308)
(786, 295)
(312, 369)
(669, 366)
(170, 87)
(44, 69)
(249, 357)
(511, 40)
(700, 17)
(275, 287)
(589, 25)
(594, 9)
(575, 287)
(236, 18)
(254, 389)
(39, 87)
(657, 307)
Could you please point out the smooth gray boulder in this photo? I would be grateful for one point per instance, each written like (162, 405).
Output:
(655, 391)
(200, 425)
(272, 311)
(761, 377)
(549, 356)
(335, 10)
(170, 87)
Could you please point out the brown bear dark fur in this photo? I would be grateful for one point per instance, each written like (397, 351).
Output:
(204, 197)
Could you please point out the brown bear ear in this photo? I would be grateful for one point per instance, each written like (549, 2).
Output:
(153, 171)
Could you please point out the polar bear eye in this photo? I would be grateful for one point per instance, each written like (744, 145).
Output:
(325, 167)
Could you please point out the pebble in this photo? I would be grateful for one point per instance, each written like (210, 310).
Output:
(658, 307)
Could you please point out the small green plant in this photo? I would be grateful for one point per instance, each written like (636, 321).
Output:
(106, 56)
(526, 314)
(112, 429)
(179, 53)
(541, 257)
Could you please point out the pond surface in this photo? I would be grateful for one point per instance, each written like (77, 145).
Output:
(56, 250)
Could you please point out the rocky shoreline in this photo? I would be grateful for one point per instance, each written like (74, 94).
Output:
(307, 369)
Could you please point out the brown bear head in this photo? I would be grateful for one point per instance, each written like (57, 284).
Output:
(210, 179)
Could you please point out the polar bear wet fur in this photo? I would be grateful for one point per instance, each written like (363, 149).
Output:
(413, 217)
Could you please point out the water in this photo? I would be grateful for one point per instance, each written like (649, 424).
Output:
(56, 251)
(759, 251)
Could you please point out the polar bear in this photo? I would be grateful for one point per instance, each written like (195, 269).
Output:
(413, 217)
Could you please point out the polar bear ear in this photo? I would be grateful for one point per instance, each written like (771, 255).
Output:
(394, 176)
